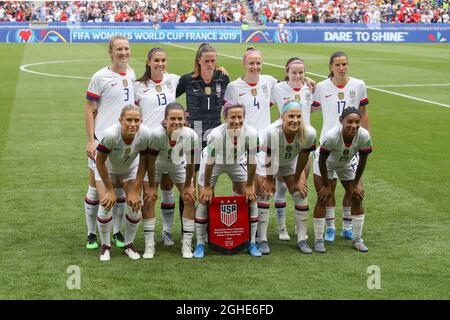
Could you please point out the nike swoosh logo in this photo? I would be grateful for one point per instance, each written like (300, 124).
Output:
(196, 90)
(328, 95)
(113, 84)
(241, 94)
(146, 90)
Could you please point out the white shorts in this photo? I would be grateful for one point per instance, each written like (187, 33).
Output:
(344, 174)
(117, 178)
(236, 172)
(280, 171)
(177, 173)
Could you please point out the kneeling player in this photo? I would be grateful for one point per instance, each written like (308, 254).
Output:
(286, 145)
(117, 164)
(338, 147)
(226, 145)
(171, 149)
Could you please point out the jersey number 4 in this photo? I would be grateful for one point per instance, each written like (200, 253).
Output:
(256, 103)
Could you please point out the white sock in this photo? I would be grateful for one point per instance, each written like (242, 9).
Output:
(347, 218)
(167, 210)
(119, 210)
(301, 215)
(280, 204)
(201, 223)
(131, 224)
(263, 220)
(319, 224)
(188, 229)
(330, 217)
(90, 209)
(358, 223)
(104, 219)
(253, 221)
(149, 231)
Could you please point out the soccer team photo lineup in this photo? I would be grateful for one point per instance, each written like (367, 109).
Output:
(261, 165)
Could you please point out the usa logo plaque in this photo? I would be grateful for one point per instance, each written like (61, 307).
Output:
(228, 224)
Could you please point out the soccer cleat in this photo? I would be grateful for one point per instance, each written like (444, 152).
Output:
(253, 250)
(167, 239)
(360, 246)
(118, 240)
(319, 246)
(283, 235)
(347, 234)
(199, 251)
(329, 236)
(92, 241)
(304, 247)
(263, 247)
(105, 253)
(186, 249)
(131, 252)
(149, 251)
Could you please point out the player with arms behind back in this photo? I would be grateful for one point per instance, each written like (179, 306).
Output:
(110, 89)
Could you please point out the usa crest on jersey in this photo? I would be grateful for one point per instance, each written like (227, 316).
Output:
(125, 82)
(341, 96)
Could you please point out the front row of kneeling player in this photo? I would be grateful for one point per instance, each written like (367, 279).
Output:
(252, 160)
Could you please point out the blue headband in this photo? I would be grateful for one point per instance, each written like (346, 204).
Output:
(291, 105)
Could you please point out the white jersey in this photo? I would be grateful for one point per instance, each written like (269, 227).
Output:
(112, 91)
(177, 150)
(227, 148)
(282, 93)
(282, 150)
(340, 153)
(334, 100)
(123, 155)
(255, 98)
(153, 97)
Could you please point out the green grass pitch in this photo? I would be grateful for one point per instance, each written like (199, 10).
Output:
(44, 179)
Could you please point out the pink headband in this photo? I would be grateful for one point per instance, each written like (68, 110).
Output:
(296, 61)
(250, 51)
(153, 51)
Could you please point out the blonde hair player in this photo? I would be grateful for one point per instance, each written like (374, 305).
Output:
(117, 164)
(286, 145)
(333, 96)
(253, 90)
(227, 144)
(110, 89)
(293, 88)
(338, 147)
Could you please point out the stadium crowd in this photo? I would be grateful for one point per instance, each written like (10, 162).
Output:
(351, 11)
(123, 11)
(264, 11)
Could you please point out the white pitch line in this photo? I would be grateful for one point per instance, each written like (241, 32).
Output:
(25, 66)
(410, 85)
(322, 76)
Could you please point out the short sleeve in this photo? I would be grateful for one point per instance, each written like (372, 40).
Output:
(94, 90)
(364, 100)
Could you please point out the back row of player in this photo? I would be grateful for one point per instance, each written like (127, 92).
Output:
(113, 87)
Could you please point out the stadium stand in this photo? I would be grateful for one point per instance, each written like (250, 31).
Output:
(227, 11)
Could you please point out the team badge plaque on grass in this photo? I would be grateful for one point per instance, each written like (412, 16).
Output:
(229, 224)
